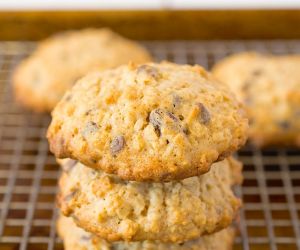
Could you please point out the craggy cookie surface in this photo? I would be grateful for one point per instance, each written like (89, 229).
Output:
(175, 211)
(76, 238)
(41, 80)
(155, 122)
(270, 88)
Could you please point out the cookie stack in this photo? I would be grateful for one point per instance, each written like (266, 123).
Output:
(146, 159)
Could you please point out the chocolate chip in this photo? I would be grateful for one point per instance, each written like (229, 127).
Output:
(68, 166)
(181, 118)
(91, 111)
(172, 116)
(70, 196)
(93, 160)
(85, 237)
(94, 172)
(204, 115)
(160, 117)
(117, 144)
(90, 128)
(186, 130)
(88, 112)
(176, 101)
(155, 118)
(284, 124)
(149, 70)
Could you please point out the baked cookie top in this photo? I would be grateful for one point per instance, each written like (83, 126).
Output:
(175, 211)
(41, 80)
(76, 238)
(270, 88)
(152, 122)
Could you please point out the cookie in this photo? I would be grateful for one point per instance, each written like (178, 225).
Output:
(175, 211)
(76, 238)
(41, 80)
(269, 86)
(152, 122)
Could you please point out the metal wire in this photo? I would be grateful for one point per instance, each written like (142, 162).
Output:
(269, 218)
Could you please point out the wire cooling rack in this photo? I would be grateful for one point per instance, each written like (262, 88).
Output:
(28, 172)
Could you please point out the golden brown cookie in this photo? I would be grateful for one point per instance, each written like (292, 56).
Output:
(41, 80)
(76, 238)
(270, 88)
(152, 122)
(175, 211)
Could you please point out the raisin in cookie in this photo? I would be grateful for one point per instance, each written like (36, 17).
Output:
(76, 238)
(153, 122)
(175, 211)
(42, 79)
(270, 87)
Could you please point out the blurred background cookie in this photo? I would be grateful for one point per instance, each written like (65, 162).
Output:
(269, 86)
(59, 61)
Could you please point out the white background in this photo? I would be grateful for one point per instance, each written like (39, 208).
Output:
(145, 4)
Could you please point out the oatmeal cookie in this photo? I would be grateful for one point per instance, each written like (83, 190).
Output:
(152, 122)
(175, 211)
(76, 238)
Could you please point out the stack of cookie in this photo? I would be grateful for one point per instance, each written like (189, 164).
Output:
(146, 159)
